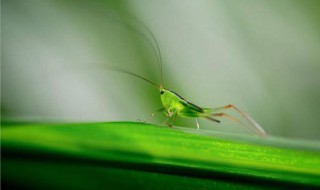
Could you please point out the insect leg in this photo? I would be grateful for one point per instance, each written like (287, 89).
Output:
(227, 116)
(165, 121)
(197, 122)
(158, 111)
(173, 118)
(257, 127)
(169, 116)
(233, 119)
(154, 113)
(212, 119)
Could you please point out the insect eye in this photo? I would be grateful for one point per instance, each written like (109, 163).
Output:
(161, 92)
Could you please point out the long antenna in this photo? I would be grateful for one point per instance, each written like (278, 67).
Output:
(157, 51)
(153, 43)
(133, 74)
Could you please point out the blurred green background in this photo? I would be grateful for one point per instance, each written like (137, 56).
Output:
(263, 56)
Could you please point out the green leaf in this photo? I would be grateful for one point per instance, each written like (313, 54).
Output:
(138, 155)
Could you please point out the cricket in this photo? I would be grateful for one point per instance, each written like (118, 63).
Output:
(175, 105)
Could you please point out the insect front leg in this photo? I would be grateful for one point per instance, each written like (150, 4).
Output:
(165, 121)
(170, 115)
(161, 110)
(168, 118)
(158, 111)
(173, 118)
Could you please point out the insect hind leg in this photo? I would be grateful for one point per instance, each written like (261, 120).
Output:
(256, 127)
(231, 118)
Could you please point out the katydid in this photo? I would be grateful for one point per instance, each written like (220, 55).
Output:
(174, 105)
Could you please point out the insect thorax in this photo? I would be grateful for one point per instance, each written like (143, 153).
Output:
(171, 101)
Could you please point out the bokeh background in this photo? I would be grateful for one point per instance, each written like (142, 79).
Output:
(261, 55)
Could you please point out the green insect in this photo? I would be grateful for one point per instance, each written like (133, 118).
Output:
(174, 105)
